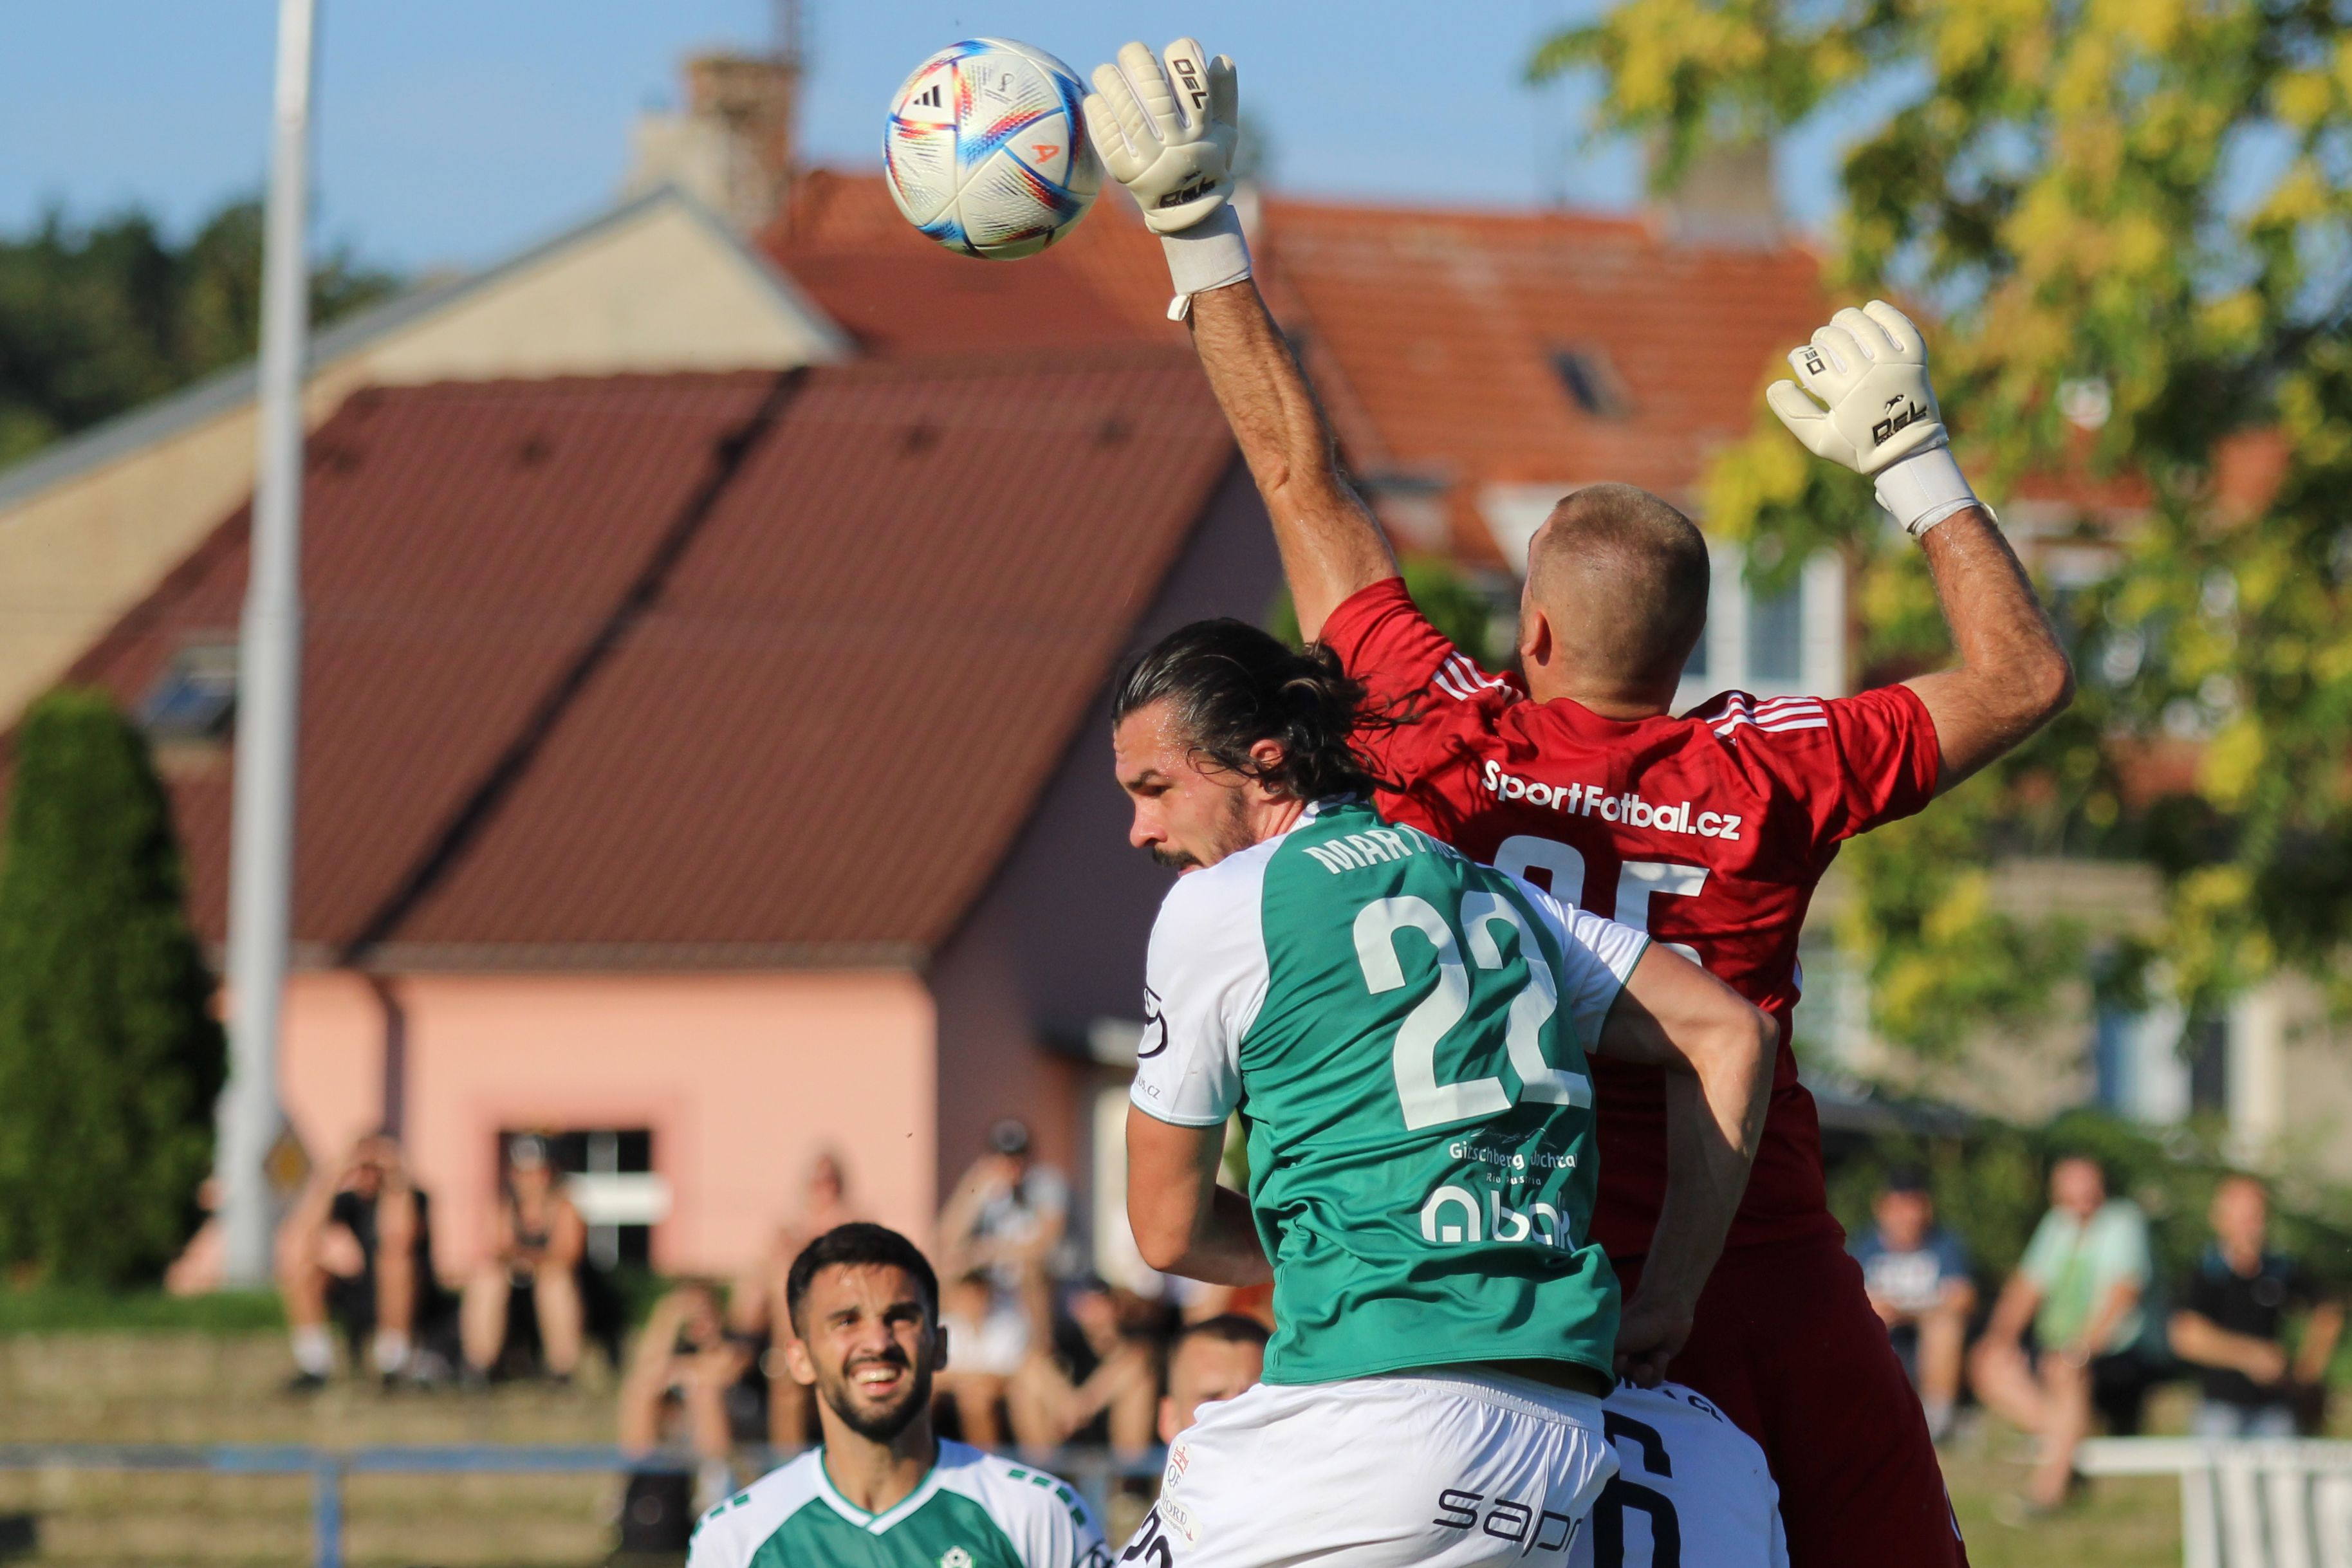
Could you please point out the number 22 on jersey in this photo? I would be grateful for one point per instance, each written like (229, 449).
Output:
(1426, 1102)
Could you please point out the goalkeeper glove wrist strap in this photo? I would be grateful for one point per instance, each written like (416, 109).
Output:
(1210, 255)
(1924, 488)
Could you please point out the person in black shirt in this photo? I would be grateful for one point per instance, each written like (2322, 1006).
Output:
(2232, 1323)
(539, 1242)
(356, 1251)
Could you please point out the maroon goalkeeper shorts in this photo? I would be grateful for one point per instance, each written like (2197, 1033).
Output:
(1786, 1344)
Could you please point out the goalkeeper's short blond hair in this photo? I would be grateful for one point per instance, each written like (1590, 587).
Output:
(1622, 575)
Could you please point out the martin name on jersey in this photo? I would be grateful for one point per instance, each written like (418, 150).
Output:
(973, 1511)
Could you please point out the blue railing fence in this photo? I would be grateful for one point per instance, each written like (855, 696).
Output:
(1092, 1471)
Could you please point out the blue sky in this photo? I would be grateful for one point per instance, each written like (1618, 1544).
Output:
(450, 132)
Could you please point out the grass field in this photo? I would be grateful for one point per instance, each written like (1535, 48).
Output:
(194, 1387)
(2114, 1524)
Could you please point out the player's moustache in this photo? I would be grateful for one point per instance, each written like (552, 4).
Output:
(1174, 860)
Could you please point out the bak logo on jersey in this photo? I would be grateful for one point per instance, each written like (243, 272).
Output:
(1629, 809)
(1540, 1529)
(1452, 1217)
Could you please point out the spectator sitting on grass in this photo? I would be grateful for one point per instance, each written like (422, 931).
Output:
(357, 1251)
(1916, 1274)
(539, 1245)
(677, 1384)
(2079, 1286)
(2232, 1326)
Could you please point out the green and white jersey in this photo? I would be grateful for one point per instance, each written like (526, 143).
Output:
(1403, 1032)
(973, 1511)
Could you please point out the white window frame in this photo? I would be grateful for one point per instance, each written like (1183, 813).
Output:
(1823, 659)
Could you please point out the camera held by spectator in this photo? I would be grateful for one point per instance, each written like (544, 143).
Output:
(357, 1252)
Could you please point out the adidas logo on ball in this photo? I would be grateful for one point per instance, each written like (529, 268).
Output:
(1000, 180)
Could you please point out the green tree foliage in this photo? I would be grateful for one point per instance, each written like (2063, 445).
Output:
(1451, 601)
(109, 1056)
(2134, 218)
(95, 321)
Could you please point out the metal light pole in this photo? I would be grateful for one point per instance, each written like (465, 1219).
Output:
(269, 669)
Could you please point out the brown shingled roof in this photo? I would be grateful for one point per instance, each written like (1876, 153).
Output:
(695, 669)
(1444, 324)
(1430, 331)
(847, 245)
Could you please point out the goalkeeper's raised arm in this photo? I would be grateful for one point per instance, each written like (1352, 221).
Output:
(1166, 130)
(1867, 403)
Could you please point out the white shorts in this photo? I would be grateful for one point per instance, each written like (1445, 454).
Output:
(1447, 1469)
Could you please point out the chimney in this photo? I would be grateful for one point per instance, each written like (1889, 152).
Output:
(731, 147)
(1727, 197)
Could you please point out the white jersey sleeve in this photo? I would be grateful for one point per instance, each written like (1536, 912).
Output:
(1042, 1516)
(1691, 1488)
(730, 1535)
(1598, 956)
(1203, 983)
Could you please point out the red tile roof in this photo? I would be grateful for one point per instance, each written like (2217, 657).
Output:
(1430, 331)
(1444, 324)
(847, 245)
(695, 669)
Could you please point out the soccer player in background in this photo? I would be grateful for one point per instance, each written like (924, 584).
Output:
(882, 1490)
(1694, 1484)
(1404, 1034)
(1709, 831)
(1211, 1362)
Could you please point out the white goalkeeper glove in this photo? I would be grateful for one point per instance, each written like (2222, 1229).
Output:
(1870, 367)
(1168, 135)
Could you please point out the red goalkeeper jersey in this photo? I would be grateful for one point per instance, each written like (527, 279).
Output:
(1708, 831)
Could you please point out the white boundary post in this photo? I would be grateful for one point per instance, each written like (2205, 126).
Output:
(270, 666)
(2251, 1503)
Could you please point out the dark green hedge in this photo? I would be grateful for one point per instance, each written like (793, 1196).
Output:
(110, 1055)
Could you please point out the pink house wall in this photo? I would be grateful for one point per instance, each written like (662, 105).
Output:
(742, 1078)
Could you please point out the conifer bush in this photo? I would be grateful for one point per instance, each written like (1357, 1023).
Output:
(110, 1055)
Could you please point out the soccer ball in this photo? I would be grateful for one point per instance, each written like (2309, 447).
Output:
(986, 150)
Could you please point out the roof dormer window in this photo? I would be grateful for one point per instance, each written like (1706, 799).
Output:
(1590, 378)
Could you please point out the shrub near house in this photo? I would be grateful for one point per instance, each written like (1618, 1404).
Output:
(109, 1056)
